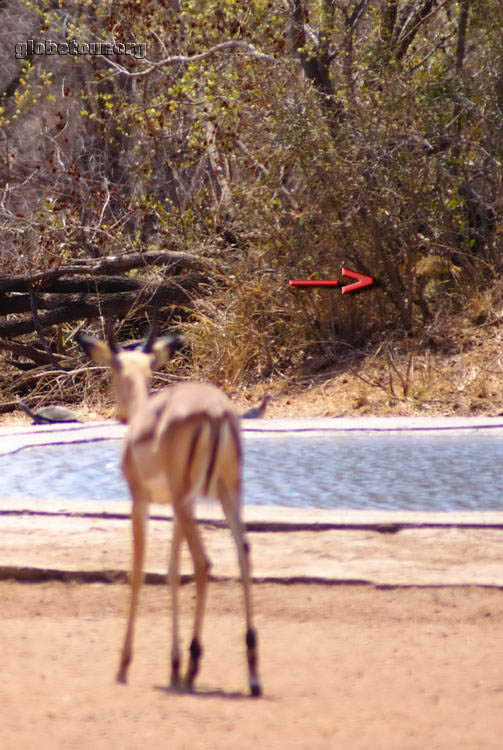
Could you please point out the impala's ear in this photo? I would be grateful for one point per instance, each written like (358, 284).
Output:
(163, 349)
(149, 341)
(96, 350)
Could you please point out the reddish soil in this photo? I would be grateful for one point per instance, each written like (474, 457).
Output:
(350, 667)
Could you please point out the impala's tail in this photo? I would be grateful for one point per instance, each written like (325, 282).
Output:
(209, 450)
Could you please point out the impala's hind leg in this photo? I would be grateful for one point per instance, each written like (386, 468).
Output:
(190, 530)
(139, 525)
(230, 505)
(174, 583)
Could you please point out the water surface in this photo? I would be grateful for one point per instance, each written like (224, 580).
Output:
(458, 470)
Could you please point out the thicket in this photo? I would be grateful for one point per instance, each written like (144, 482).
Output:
(267, 141)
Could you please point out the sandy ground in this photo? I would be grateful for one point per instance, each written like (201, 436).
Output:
(412, 659)
(351, 667)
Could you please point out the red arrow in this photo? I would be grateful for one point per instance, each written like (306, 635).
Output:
(314, 282)
(362, 281)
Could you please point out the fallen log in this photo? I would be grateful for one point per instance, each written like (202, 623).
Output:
(11, 304)
(29, 352)
(176, 291)
(177, 261)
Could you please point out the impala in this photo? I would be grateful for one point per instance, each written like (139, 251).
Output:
(182, 443)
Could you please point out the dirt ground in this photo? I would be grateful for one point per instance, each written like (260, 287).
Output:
(350, 667)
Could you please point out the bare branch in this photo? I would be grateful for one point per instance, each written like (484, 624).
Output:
(461, 42)
(422, 15)
(245, 47)
(354, 18)
(316, 64)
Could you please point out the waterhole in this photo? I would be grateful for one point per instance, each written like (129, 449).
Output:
(429, 471)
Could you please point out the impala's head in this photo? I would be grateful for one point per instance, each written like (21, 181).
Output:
(131, 370)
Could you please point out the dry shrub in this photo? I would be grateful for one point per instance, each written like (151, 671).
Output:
(243, 332)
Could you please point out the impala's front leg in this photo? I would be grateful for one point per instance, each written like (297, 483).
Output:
(139, 525)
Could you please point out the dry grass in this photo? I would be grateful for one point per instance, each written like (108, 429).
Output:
(466, 382)
(462, 383)
(455, 367)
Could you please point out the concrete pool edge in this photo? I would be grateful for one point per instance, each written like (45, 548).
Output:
(273, 518)
(20, 436)
(89, 542)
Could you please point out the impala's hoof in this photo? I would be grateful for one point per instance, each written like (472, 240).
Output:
(255, 690)
(175, 684)
(188, 686)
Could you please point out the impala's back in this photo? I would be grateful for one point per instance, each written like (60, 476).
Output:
(185, 443)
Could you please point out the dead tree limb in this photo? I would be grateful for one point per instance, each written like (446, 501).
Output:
(152, 297)
(176, 260)
(28, 351)
(53, 291)
(59, 293)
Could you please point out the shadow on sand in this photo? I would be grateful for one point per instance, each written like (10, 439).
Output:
(202, 693)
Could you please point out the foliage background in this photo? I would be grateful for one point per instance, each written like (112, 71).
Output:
(324, 133)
